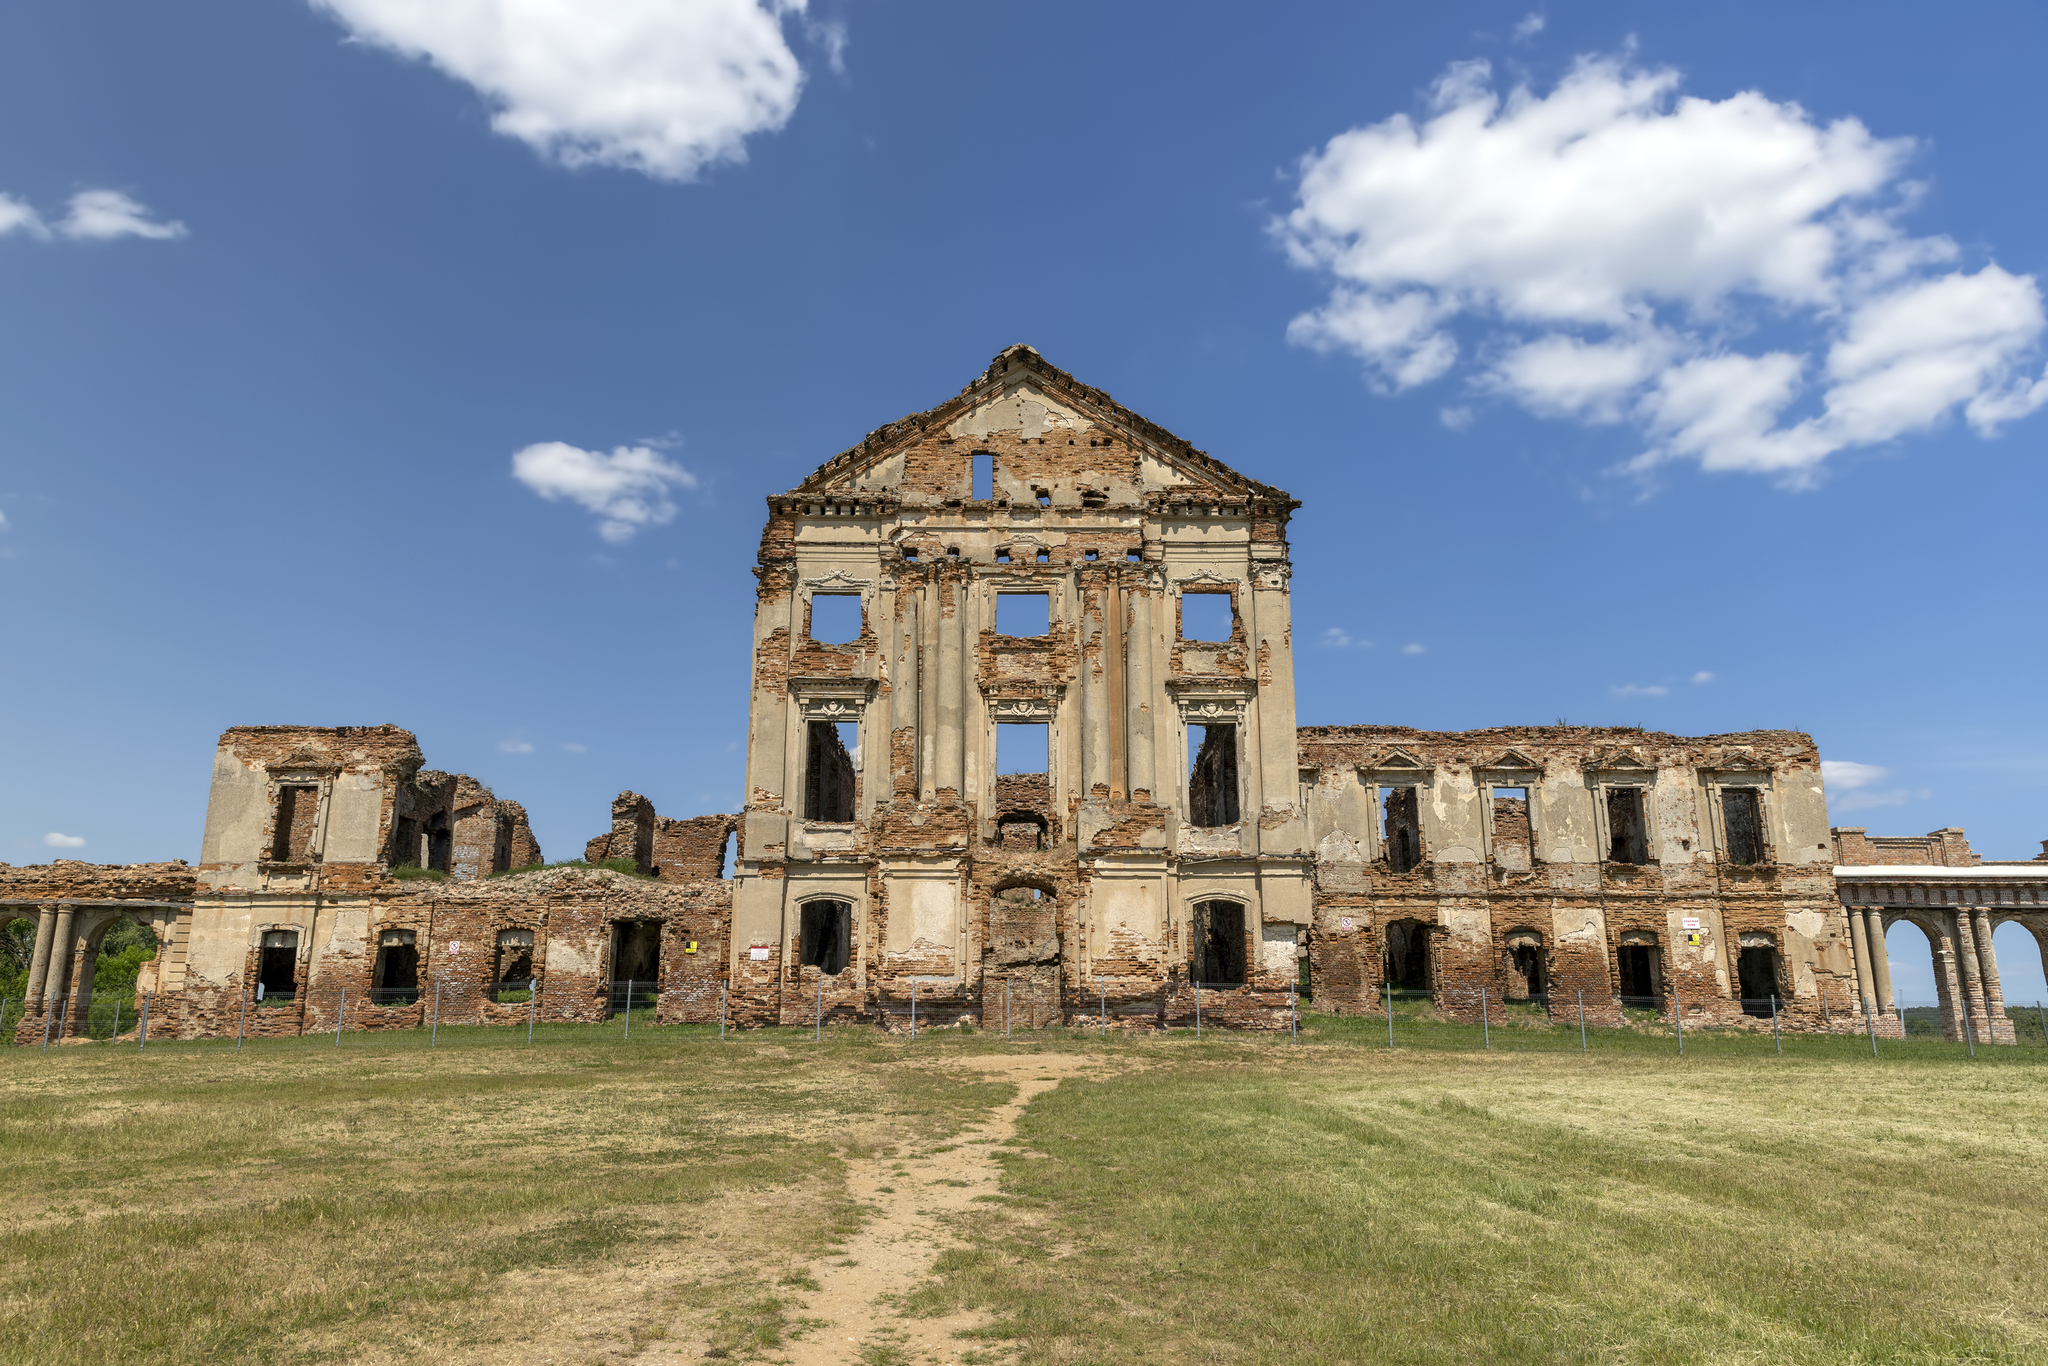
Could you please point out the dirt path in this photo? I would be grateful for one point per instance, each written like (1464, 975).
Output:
(893, 1253)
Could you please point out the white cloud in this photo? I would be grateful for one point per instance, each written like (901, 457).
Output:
(573, 748)
(1703, 676)
(93, 216)
(627, 489)
(1457, 419)
(1529, 26)
(1336, 637)
(1641, 690)
(1414, 649)
(1846, 776)
(102, 215)
(515, 747)
(57, 841)
(663, 87)
(1603, 250)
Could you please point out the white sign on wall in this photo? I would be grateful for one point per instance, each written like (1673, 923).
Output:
(758, 953)
(1692, 922)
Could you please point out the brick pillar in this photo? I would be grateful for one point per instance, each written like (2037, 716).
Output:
(59, 966)
(1973, 984)
(39, 965)
(2000, 1029)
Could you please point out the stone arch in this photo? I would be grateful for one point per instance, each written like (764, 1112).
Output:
(1525, 964)
(90, 1016)
(1221, 925)
(825, 932)
(1942, 968)
(2032, 923)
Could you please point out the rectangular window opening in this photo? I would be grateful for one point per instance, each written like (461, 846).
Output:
(1134, 556)
(1641, 974)
(1023, 747)
(1627, 835)
(1511, 822)
(1023, 614)
(1045, 557)
(1044, 497)
(292, 841)
(1742, 814)
(1205, 616)
(278, 973)
(1212, 775)
(396, 980)
(1219, 947)
(835, 618)
(1003, 555)
(829, 771)
(1756, 971)
(825, 936)
(1401, 829)
(636, 961)
(984, 476)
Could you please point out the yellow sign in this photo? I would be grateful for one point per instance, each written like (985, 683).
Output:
(692, 948)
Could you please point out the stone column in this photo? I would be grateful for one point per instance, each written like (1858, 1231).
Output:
(929, 621)
(1987, 967)
(1973, 985)
(39, 965)
(60, 958)
(903, 697)
(951, 739)
(1859, 940)
(1881, 960)
(1138, 712)
(1094, 694)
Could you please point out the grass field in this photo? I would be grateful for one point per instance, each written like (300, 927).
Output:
(1240, 1200)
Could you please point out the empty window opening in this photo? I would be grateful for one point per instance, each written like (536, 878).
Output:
(825, 936)
(984, 476)
(835, 618)
(1134, 556)
(278, 977)
(1094, 498)
(1742, 814)
(514, 963)
(1401, 829)
(725, 848)
(910, 553)
(1021, 830)
(1756, 968)
(1044, 497)
(1023, 614)
(1002, 554)
(1627, 837)
(829, 773)
(1511, 842)
(1212, 775)
(396, 979)
(952, 552)
(1219, 947)
(1023, 747)
(440, 843)
(1205, 616)
(1408, 965)
(405, 842)
(636, 954)
(1641, 970)
(293, 840)
(1090, 555)
(1045, 557)
(1528, 974)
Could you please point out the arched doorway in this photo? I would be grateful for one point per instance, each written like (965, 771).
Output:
(1525, 965)
(1759, 972)
(1923, 973)
(1020, 963)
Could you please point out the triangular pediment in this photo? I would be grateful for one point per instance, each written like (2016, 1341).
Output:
(1398, 758)
(1514, 758)
(1622, 760)
(1021, 398)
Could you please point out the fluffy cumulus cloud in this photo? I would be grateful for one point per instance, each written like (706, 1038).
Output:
(663, 87)
(1611, 251)
(627, 489)
(91, 216)
(1858, 787)
(57, 841)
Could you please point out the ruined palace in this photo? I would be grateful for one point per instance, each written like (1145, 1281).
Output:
(1022, 747)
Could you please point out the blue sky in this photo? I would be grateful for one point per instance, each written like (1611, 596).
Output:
(289, 286)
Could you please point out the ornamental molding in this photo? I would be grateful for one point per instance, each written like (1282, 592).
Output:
(838, 578)
(831, 699)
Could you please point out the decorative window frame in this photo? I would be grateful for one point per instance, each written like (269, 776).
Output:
(1623, 770)
(836, 700)
(318, 776)
(1212, 701)
(1206, 583)
(1760, 780)
(1530, 781)
(1396, 768)
(838, 583)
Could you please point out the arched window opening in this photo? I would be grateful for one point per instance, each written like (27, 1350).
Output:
(1407, 956)
(1527, 966)
(277, 976)
(395, 981)
(1021, 830)
(1219, 944)
(512, 973)
(1639, 964)
(825, 936)
(1759, 972)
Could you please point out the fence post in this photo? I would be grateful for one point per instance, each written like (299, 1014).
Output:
(721, 1010)
(46, 1022)
(1969, 1034)
(1582, 1022)
(1679, 1006)
(340, 1014)
(117, 1018)
(1774, 1025)
(629, 1007)
(1390, 1013)
(818, 1018)
(1103, 1007)
(2039, 1014)
(434, 1036)
(532, 1004)
(1006, 1009)
(1293, 1014)
(242, 1023)
(913, 1008)
(1870, 1019)
(142, 1033)
(1198, 1010)
(1485, 1025)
